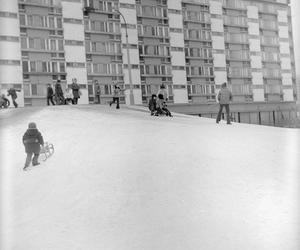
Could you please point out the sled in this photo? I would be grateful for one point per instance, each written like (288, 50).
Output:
(47, 150)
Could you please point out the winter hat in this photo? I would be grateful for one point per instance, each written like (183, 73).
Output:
(32, 125)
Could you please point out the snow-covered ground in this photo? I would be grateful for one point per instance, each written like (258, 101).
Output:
(123, 180)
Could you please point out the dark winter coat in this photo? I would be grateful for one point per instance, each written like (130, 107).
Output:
(152, 104)
(224, 96)
(97, 89)
(58, 90)
(75, 90)
(50, 92)
(13, 93)
(32, 140)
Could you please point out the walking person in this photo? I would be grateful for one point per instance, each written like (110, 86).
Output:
(75, 90)
(32, 140)
(13, 93)
(50, 94)
(116, 97)
(224, 98)
(97, 92)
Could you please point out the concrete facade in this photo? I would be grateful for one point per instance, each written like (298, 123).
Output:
(190, 46)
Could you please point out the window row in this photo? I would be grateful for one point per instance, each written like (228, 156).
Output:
(149, 89)
(103, 47)
(197, 34)
(238, 72)
(235, 20)
(198, 52)
(196, 16)
(38, 43)
(236, 38)
(199, 71)
(154, 50)
(44, 2)
(43, 67)
(151, 11)
(238, 54)
(108, 6)
(269, 40)
(268, 24)
(41, 21)
(241, 89)
(273, 89)
(155, 69)
(101, 26)
(149, 30)
(201, 89)
(270, 56)
(276, 73)
(104, 68)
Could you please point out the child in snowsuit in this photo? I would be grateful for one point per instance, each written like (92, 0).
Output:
(116, 97)
(152, 105)
(4, 102)
(32, 140)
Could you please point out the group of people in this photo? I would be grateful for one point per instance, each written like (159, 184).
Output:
(4, 102)
(63, 98)
(158, 103)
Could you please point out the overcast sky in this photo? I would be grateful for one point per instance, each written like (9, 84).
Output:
(296, 32)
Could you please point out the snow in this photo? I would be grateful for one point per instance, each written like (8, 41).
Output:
(123, 180)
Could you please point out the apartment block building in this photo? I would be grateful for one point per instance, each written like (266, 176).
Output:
(190, 46)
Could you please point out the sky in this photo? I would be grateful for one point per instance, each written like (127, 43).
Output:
(295, 4)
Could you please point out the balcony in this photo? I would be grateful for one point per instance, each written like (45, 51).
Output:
(269, 41)
(237, 55)
(236, 38)
(268, 25)
(239, 72)
(270, 57)
(235, 21)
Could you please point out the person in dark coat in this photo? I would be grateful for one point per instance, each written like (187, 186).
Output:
(75, 89)
(224, 98)
(59, 94)
(152, 105)
(97, 92)
(32, 140)
(50, 94)
(13, 93)
(4, 102)
(116, 97)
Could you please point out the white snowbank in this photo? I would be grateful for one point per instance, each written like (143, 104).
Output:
(123, 180)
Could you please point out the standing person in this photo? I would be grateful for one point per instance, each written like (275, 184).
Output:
(116, 97)
(50, 94)
(97, 92)
(32, 140)
(75, 90)
(224, 98)
(152, 105)
(13, 93)
(162, 96)
(59, 94)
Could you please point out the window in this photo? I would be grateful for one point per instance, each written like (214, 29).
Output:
(60, 45)
(33, 89)
(32, 66)
(22, 20)
(23, 43)
(59, 23)
(54, 67)
(25, 66)
(61, 67)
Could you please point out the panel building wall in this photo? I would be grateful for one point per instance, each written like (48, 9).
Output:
(190, 46)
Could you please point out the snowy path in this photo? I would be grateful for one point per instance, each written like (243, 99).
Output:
(122, 180)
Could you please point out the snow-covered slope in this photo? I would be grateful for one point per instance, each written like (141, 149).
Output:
(123, 180)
